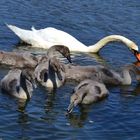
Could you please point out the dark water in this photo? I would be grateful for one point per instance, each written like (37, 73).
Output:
(115, 118)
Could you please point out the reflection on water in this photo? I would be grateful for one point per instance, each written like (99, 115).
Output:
(22, 105)
(23, 118)
(49, 102)
(129, 91)
(78, 120)
(98, 58)
(136, 91)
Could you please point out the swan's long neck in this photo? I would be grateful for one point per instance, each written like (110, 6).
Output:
(23, 86)
(53, 80)
(100, 44)
(126, 77)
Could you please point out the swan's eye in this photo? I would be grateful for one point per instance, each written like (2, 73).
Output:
(76, 96)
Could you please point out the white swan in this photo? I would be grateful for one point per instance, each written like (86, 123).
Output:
(45, 38)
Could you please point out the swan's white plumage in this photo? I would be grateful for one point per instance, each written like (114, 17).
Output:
(45, 38)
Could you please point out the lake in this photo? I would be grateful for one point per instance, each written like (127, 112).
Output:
(43, 117)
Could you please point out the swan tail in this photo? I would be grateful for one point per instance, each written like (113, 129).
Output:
(24, 35)
(33, 28)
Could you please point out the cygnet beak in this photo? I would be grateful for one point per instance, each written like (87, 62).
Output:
(70, 107)
(69, 58)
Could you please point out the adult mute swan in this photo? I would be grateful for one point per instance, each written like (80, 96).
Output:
(45, 38)
(19, 83)
(87, 92)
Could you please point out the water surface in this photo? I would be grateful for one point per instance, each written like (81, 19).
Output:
(43, 117)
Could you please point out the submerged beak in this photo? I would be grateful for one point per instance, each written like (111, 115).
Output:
(137, 54)
(33, 81)
(69, 58)
(70, 107)
(34, 84)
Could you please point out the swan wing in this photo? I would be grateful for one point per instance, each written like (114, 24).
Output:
(29, 36)
(58, 37)
(47, 37)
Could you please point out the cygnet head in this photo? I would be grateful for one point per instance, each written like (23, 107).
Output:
(74, 101)
(61, 49)
(87, 92)
(77, 97)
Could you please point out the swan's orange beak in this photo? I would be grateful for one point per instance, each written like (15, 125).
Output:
(137, 54)
(137, 63)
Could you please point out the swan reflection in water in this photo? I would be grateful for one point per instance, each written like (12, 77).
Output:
(49, 102)
(22, 104)
(79, 119)
(130, 91)
(23, 119)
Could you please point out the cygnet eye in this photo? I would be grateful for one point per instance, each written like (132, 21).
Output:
(76, 97)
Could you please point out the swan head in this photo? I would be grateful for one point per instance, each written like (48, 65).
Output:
(133, 46)
(74, 101)
(61, 49)
(78, 95)
(87, 92)
(137, 54)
